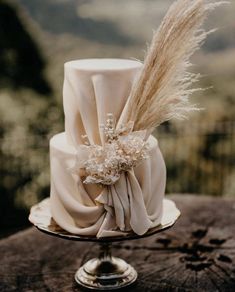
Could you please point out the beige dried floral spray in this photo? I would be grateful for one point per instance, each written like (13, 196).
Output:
(164, 85)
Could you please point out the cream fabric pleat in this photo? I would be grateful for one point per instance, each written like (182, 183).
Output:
(135, 201)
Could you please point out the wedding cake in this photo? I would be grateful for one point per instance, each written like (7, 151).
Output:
(107, 172)
(95, 95)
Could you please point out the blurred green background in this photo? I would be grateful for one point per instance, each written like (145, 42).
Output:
(38, 36)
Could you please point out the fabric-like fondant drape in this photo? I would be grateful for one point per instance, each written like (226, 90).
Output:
(134, 203)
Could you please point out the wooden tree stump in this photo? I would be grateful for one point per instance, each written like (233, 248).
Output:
(197, 254)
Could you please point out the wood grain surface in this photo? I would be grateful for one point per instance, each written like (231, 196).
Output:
(197, 254)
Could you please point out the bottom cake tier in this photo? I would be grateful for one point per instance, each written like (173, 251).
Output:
(132, 204)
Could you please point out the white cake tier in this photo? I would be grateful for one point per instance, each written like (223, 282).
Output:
(92, 89)
(134, 203)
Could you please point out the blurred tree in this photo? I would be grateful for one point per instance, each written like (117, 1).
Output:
(26, 101)
(21, 64)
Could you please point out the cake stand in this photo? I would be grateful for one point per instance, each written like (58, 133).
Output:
(104, 272)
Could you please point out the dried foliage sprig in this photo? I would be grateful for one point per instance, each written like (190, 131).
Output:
(163, 88)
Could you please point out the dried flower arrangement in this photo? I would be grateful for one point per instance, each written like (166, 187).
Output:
(162, 91)
(159, 94)
(122, 150)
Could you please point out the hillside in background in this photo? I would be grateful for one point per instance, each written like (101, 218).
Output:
(69, 30)
(118, 22)
(75, 29)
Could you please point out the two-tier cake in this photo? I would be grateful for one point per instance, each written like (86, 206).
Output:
(95, 95)
(107, 172)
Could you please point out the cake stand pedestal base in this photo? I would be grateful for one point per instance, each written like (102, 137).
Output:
(106, 272)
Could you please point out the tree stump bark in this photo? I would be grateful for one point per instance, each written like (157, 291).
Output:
(197, 254)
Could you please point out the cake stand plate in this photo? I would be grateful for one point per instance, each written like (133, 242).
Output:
(104, 272)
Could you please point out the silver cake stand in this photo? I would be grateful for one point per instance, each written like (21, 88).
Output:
(104, 272)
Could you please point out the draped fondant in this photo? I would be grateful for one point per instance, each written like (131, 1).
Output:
(92, 89)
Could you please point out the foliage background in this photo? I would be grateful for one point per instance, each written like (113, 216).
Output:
(38, 36)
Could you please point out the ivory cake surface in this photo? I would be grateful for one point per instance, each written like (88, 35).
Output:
(94, 88)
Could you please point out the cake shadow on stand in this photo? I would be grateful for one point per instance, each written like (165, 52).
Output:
(104, 272)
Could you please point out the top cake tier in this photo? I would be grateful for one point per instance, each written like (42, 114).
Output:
(92, 89)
